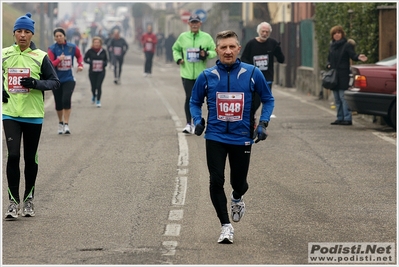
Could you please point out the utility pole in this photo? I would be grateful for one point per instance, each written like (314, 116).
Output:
(50, 12)
(42, 32)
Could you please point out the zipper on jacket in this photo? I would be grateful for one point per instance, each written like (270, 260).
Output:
(194, 63)
(228, 90)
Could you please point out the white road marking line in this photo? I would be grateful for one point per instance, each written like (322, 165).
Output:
(171, 111)
(175, 215)
(179, 196)
(170, 247)
(172, 229)
(183, 150)
(386, 138)
(182, 171)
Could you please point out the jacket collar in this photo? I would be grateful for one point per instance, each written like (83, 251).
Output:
(226, 67)
(338, 43)
(32, 46)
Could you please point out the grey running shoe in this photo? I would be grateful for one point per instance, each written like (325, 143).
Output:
(28, 208)
(60, 128)
(227, 234)
(66, 129)
(12, 210)
(237, 209)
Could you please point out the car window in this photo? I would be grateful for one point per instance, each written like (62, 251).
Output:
(389, 61)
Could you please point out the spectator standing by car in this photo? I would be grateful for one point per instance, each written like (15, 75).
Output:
(62, 54)
(340, 46)
(27, 73)
(118, 47)
(260, 52)
(97, 57)
(149, 42)
(229, 133)
(191, 52)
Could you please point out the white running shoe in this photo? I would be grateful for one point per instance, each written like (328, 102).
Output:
(66, 129)
(237, 209)
(227, 234)
(12, 210)
(60, 128)
(189, 129)
(98, 104)
(27, 210)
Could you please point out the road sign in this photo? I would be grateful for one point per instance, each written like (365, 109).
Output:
(185, 16)
(202, 14)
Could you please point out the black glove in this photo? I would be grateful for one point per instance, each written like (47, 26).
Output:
(200, 127)
(205, 51)
(261, 131)
(277, 49)
(5, 96)
(28, 82)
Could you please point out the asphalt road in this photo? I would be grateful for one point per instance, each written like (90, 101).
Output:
(127, 187)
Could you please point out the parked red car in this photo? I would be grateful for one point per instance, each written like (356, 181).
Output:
(373, 90)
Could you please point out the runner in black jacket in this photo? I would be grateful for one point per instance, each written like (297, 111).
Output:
(118, 46)
(97, 57)
(260, 51)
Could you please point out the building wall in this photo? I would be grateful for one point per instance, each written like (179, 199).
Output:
(387, 31)
(280, 12)
(302, 11)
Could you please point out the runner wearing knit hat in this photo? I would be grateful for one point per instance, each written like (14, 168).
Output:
(27, 73)
(25, 22)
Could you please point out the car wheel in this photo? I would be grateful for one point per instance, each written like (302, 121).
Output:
(392, 115)
(387, 120)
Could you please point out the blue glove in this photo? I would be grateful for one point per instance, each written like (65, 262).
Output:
(260, 132)
(28, 82)
(200, 127)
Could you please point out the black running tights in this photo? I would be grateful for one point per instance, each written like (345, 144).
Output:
(63, 95)
(239, 158)
(188, 89)
(30, 133)
(96, 81)
(118, 62)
